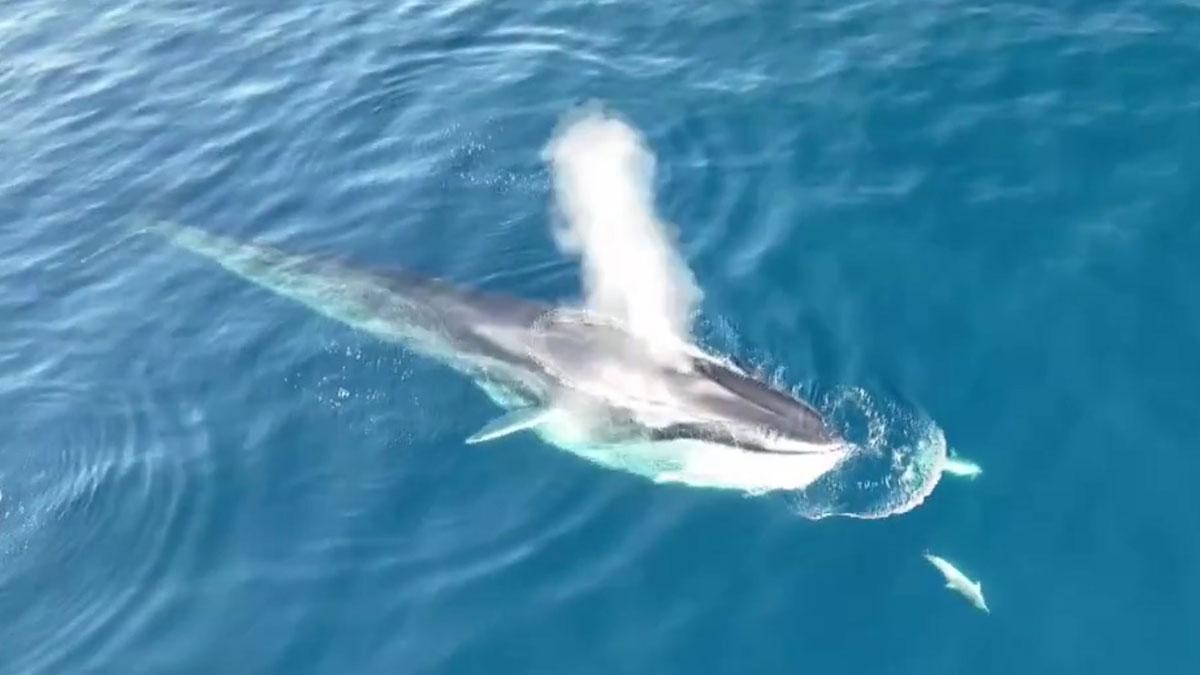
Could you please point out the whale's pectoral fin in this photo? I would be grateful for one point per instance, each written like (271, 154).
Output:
(510, 423)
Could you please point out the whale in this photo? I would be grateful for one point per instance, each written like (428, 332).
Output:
(580, 381)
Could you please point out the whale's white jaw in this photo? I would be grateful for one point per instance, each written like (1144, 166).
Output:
(694, 462)
(720, 466)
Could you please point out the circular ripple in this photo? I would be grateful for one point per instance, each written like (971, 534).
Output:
(894, 464)
(117, 480)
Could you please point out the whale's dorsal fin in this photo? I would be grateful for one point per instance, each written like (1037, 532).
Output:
(510, 423)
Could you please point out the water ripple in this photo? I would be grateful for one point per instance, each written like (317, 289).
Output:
(131, 470)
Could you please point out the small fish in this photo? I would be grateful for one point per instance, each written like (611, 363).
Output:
(957, 466)
(957, 581)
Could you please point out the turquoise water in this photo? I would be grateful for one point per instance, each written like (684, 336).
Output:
(983, 214)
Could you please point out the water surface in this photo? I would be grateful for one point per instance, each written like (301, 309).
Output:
(984, 213)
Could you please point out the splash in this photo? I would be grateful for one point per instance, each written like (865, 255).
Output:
(895, 461)
(632, 270)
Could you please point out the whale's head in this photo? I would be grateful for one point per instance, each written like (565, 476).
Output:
(686, 394)
(719, 403)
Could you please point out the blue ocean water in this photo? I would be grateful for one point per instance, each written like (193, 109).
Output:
(987, 212)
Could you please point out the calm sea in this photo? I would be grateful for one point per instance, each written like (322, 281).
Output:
(986, 212)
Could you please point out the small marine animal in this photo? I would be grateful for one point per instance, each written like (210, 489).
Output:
(959, 466)
(957, 581)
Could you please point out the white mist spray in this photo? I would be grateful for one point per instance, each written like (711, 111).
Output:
(632, 271)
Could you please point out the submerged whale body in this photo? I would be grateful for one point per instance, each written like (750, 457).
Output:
(580, 381)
